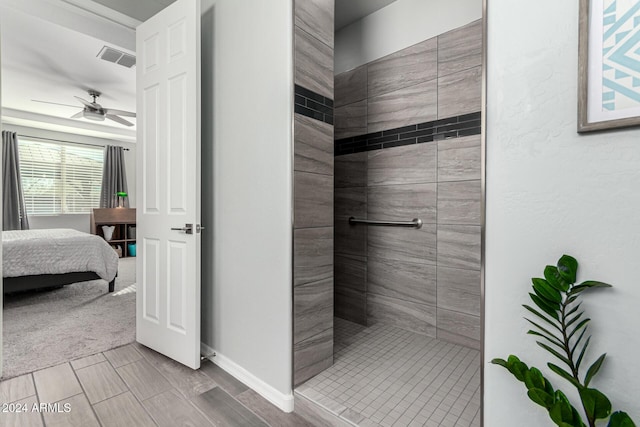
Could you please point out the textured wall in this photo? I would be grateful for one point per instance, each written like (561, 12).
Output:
(551, 191)
(407, 130)
(313, 189)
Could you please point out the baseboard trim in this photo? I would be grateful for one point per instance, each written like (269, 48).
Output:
(281, 400)
(206, 351)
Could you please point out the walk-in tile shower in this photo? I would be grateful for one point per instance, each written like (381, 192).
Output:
(387, 313)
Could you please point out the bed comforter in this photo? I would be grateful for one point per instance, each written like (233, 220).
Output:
(56, 251)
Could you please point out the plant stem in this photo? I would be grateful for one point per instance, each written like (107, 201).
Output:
(565, 340)
(567, 349)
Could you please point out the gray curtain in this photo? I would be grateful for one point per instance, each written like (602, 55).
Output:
(114, 177)
(14, 210)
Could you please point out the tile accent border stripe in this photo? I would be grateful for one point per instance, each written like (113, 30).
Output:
(452, 127)
(314, 105)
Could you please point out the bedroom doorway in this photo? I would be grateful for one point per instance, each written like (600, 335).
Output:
(177, 307)
(61, 168)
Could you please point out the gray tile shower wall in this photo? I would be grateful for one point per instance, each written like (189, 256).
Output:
(350, 260)
(411, 66)
(351, 119)
(407, 130)
(351, 86)
(313, 237)
(460, 49)
(408, 105)
(313, 62)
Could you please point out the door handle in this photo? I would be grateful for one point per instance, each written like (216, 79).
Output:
(188, 228)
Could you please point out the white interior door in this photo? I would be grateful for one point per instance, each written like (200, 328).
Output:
(168, 182)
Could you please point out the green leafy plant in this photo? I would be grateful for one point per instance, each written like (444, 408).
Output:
(561, 327)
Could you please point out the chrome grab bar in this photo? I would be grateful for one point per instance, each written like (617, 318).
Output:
(414, 223)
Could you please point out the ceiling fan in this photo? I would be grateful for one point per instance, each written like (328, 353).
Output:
(95, 111)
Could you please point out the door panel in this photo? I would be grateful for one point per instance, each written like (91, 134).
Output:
(168, 86)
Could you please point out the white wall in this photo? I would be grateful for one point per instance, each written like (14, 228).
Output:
(551, 191)
(401, 24)
(247, 198)
(78, 222)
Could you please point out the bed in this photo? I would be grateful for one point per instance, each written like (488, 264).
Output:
(33, 259)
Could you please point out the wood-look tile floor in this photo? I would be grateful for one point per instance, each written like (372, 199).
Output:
(386, 376)
(134, 386)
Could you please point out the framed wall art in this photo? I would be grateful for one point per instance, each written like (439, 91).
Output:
(609, 64)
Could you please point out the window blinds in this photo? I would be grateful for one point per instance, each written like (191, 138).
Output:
(60, 178)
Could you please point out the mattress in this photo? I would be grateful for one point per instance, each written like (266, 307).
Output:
(56, 251)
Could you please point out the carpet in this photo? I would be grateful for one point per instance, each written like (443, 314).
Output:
(46, 328)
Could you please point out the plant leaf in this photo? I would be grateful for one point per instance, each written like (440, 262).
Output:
(516, 367)
(575, 345)
(568, 268)
(588, 285)
(555, 353)
(540, 397)
(584, 348)
(545, 290)
(552, 305)
(535, 378)
(578, 327)
(596, 405)
(553, 277)
(571, 299)
(513, 365)
(573, 320)
(593, 369)
(564, 374)
(542, 329)
(545, 306)
(577, 418)
(543, 317)
(500, 362)
(556, 343)
(562, 411)
(573, 310)
(595, 284)
(620, 419)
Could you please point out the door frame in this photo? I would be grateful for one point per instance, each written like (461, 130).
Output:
(483, 205)
(107, 25)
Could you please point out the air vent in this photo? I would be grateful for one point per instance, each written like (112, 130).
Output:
(116, 56)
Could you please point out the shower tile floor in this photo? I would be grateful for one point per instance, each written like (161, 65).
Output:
(386, 376)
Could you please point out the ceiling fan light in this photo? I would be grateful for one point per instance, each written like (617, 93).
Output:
(93, 116)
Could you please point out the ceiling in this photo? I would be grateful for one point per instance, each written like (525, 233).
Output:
(49, 62)
(50, 57)
(349, 11)
(137, 9)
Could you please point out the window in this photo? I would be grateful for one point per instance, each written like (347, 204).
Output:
(59, 178)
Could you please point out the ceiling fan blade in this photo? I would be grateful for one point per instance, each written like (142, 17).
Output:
(119, 120)
(77, 115)
(120, 112)
(86, 103)
(54, 103)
